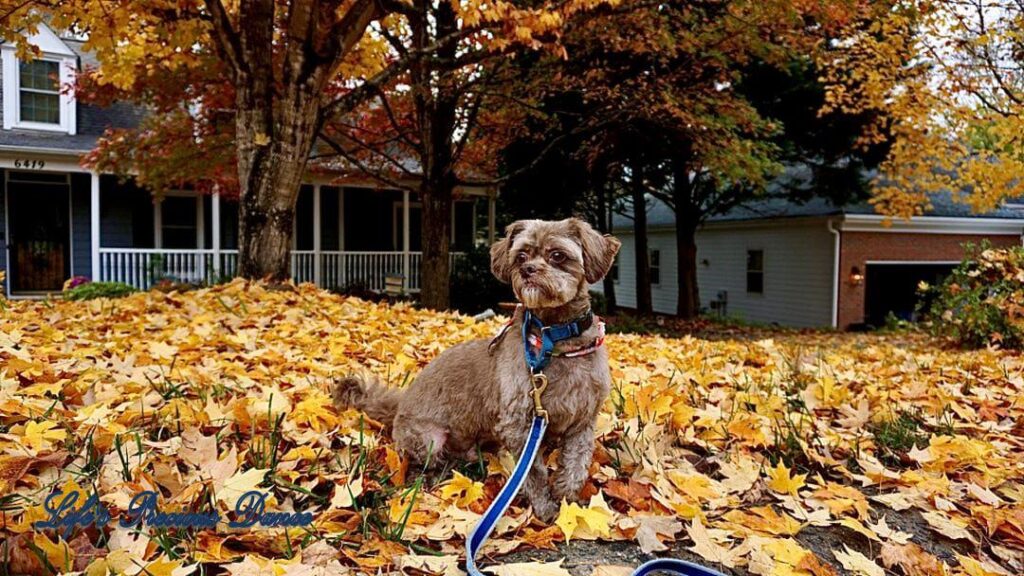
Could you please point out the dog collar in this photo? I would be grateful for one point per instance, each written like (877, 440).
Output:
(539, 340)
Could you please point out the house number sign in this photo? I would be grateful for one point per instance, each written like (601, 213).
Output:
(30, 164)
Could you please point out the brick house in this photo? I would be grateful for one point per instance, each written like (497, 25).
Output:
(59, 219)
(813, 264)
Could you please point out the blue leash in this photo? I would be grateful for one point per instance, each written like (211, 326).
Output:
(538, 355)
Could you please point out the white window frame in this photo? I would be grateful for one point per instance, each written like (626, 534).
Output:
(12, 92)
(651, 266)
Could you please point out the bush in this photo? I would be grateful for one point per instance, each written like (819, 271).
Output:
(982, 301)
(91, 290)
(474, 289)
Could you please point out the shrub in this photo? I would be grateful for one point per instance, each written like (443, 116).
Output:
(473, 288)
(91, 290)
(982, 302)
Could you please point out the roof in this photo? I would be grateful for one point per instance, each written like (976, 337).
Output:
(91, 121)
(659, 215)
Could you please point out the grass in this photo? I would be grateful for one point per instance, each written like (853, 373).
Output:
(897, 436)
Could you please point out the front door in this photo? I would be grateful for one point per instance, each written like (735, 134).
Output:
(39, 231)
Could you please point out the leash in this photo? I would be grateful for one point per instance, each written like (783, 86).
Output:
(539, 351)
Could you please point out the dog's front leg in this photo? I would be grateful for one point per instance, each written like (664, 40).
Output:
(514, 437)
(574, 462)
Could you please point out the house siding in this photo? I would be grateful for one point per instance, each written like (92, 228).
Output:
(81, 225)
(798, 261)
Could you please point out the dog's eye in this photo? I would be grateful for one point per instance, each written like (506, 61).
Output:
(557, 256)
(521, 257)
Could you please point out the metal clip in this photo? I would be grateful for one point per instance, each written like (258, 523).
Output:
(540, 383)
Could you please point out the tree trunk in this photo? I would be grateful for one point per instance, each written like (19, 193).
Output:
(640, 255)
(279, 112)
(686, 270)
(436, 234)
(436, 111)
(687, 219)
(604, 225)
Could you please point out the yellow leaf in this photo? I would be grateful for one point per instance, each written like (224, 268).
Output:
(39, 435)
(463, 490)
(781, 481)
(585, 523)
(58, 554)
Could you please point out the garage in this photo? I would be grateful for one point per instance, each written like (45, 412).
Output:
(891, 288)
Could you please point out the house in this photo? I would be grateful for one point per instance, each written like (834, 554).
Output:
(58, 219)
(812, 264)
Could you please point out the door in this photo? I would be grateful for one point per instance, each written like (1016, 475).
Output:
(39, 231)
(892, 288)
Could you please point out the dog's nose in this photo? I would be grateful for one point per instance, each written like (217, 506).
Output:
(529, 270)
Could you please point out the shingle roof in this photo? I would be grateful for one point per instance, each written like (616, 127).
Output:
(943, 205)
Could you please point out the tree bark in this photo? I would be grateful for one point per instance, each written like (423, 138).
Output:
(436, 110)
(640, 255)
(688, 306)
(687, 220)
(280, 102)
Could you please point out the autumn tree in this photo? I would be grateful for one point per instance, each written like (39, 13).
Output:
(670, 81)
(258, 80)
(946, 80)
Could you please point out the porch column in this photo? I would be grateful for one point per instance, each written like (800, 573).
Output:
(94, 225)
(405, 240)
(316, 234)
(215, 240)
(491, 207)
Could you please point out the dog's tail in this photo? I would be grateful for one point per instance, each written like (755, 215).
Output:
(366, 393)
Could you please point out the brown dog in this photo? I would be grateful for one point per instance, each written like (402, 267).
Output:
(474, 394)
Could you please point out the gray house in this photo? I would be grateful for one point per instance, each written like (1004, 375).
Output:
(59, 219)
(812, 264)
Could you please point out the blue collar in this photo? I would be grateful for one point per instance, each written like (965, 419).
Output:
(538, 352)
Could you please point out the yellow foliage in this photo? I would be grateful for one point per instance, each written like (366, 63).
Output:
(187, 393)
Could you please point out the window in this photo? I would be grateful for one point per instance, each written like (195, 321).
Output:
(755, 271)
(39, 91)
(654, 261)
(179, 222)
(35, 90)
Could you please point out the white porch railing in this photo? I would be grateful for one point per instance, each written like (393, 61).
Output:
(144, 267)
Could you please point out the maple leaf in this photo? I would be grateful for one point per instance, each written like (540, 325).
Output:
(651, 528)
(462, 489)
(780, 480)
(585, 523)
(711, 551)
(40, 436)
(912, 559)
(857, 563)
(239, 484)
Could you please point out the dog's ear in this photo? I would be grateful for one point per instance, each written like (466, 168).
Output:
(599, 250)
(500, 265)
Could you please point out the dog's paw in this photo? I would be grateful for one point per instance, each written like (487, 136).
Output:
(347, 392)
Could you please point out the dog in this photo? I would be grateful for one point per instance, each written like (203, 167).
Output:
(478, 393)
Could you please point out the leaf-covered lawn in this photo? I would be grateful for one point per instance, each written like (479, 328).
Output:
(729, 448)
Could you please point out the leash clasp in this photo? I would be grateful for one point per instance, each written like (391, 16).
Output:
(540, 383)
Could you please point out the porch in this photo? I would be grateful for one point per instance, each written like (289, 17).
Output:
(62, 224)
(345, 236)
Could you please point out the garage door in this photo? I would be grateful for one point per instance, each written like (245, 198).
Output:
(892, 288)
